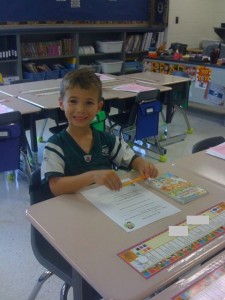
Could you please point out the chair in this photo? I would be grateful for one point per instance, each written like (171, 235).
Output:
(141, 122)
(207, 143)
(180, 98)
(13, 144)
(46, 254)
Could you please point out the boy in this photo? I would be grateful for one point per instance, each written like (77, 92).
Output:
(81, 155)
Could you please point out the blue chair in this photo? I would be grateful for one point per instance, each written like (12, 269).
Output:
(13, 144)
(139, 125)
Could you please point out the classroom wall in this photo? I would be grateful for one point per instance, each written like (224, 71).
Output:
(196, 21)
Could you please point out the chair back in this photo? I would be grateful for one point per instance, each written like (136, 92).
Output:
(147, 121)
(43, 251)
(207, 143)
(11, 133)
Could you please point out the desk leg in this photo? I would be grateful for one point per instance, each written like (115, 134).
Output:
(82, 290)
(33, 138)
(168, 139)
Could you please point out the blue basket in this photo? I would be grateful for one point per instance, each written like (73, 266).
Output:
(34, 76)
(53, 74)
(62, 72)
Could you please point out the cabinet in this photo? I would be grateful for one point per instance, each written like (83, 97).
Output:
(54, 44)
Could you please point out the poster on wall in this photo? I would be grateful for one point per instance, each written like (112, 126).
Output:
(203, 76)
(215, 93)
(168, 68)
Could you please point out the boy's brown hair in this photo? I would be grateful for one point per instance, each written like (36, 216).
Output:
(84, 78)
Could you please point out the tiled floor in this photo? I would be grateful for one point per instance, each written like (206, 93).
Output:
(19, 269)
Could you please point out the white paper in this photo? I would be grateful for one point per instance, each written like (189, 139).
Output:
(218, 151)
(133, 87)
(132, 207)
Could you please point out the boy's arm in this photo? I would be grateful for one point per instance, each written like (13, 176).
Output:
(72, 184)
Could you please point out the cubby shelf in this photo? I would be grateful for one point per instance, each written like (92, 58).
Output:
(79, 36)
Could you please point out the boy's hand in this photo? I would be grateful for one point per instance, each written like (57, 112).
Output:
(108, 178)
(145, 168)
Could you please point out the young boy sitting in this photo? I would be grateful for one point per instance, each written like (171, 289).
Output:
(81, 155)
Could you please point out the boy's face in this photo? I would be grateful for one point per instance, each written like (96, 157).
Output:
(80, 106)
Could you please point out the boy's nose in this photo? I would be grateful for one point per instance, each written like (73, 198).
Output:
(80, 107)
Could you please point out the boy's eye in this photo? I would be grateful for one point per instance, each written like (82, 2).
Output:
(73, 101)
(90, 103)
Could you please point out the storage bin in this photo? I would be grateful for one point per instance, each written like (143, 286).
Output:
(95, 68)
(109, 46)
(52, 74)
(62, 72)
(133, 66)
(110, 65)
(34, 76)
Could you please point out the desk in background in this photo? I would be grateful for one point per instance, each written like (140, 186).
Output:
(204, 165)
(29, 87)
(170, 81)
(93, 240)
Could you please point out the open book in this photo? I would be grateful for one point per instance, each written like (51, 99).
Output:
(177, 188)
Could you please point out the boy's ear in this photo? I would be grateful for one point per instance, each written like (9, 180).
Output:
(100, 105)
(61, 104)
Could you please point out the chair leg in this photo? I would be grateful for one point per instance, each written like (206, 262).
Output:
(40, 139)
(47, 274)
(64, 291)
(189, 129)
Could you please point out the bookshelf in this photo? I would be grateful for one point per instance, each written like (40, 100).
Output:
(54, 44)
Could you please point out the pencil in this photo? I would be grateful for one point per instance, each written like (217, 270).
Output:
(126, 183)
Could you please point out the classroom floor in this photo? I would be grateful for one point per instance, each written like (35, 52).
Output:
(19, 269)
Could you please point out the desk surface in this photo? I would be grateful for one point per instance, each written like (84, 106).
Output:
(92, 240)
(16, 104)
(158, 78)
(46, 96)
(29, 87)
(205, 165)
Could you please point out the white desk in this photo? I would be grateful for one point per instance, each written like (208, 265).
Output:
(92, 240)
(204, 165)
(158, 78)
(29, 87)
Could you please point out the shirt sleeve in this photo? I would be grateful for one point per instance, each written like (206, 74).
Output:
(53, 163)
(122, 155)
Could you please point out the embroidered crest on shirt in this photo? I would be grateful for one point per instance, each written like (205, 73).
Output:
(87, 157)
(105, 150)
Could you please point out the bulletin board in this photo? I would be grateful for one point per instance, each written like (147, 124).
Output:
(75, 11)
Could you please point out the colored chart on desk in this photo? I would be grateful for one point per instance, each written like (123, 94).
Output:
(212, 286)
(161, 251)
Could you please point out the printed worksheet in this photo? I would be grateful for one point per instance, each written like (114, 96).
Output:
(132, 207)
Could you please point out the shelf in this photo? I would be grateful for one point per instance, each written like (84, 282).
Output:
(36, 38)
